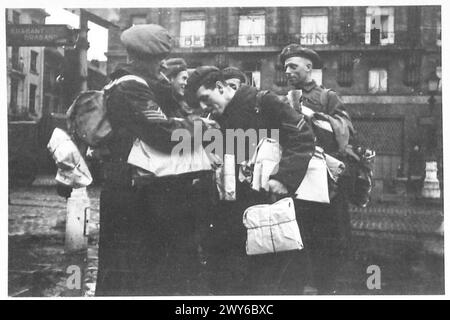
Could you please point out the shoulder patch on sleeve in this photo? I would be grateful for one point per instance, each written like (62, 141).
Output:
(152, 111)
(301, 123)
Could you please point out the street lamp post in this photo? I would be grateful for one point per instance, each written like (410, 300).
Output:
(431, 187)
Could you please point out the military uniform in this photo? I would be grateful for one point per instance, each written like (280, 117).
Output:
(136, 220)
(233, 271)
(234, 73)
(146, 236)
(326, 226)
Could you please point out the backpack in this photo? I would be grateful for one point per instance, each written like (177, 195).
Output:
(358, 176)
(357, 181)
(87, 118)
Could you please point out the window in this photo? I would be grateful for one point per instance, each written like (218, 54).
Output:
(254, 78)
(314, 26)
(316, 75)
(347, 19)
(16, 17)
(345, 69)
(192, 29)
(379, 26)
(377, 80)
(252, 71)
(138, 19)
(32, 99)
(33, 61)
(252, 29)
(14, 94)
(15, 59)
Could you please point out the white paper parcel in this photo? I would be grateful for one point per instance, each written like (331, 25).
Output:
(272, 228)
(72, 169)
(148, 158)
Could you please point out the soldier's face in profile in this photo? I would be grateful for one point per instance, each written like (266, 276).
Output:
(179, 82)
(297, 70)
(233, 83)
(212, 100)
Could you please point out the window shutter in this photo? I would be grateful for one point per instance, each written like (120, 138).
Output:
(412, 70)
(345, 70)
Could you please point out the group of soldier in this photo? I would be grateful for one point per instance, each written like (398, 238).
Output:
(172, 235)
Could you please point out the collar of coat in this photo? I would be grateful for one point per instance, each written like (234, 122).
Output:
(130, 68)
(244, 97)
(309, 86)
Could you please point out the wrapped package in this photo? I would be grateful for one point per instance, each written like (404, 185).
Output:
(272, 228)
(265, 160)
(335, 167)
(314, 186)
(160, 164)
(229, 177)
(226, 178)
(72, 169)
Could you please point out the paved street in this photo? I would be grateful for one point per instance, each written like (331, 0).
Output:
(403, 239)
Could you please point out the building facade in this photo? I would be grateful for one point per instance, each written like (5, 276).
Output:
(25, 68)
(379, 59)
(41, 85)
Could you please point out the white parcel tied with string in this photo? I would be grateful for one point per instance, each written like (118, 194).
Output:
(72, 169)
(272, 228)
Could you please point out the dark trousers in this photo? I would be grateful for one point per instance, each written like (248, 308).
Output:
(227, 260)
(278, 273)
(234, 272)
(148, 242)
(325, 230)
(125, 249)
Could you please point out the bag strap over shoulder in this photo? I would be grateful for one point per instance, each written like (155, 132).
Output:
(259, 97)
(128, 77)
(324, 97)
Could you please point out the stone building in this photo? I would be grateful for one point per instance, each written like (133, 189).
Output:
(379, 59)
(25, 67)
(41, 84)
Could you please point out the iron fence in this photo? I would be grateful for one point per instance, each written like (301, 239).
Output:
(384, 135)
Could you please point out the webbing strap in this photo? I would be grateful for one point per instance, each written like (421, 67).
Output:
(128, 77)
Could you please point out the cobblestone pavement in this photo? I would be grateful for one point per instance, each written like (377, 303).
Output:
(404, 240)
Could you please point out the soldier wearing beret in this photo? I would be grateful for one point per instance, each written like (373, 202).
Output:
(138, 252)
(325, 226)
(177, 75)
(234, 77)
(241, 109)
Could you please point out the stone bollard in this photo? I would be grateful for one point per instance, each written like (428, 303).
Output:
(78, 213)
(76, 241)
(431, 183)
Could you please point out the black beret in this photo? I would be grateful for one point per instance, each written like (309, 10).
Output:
(147, 39)
(198, 77)
(296, 50)
(234, 73)
(174, 66)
